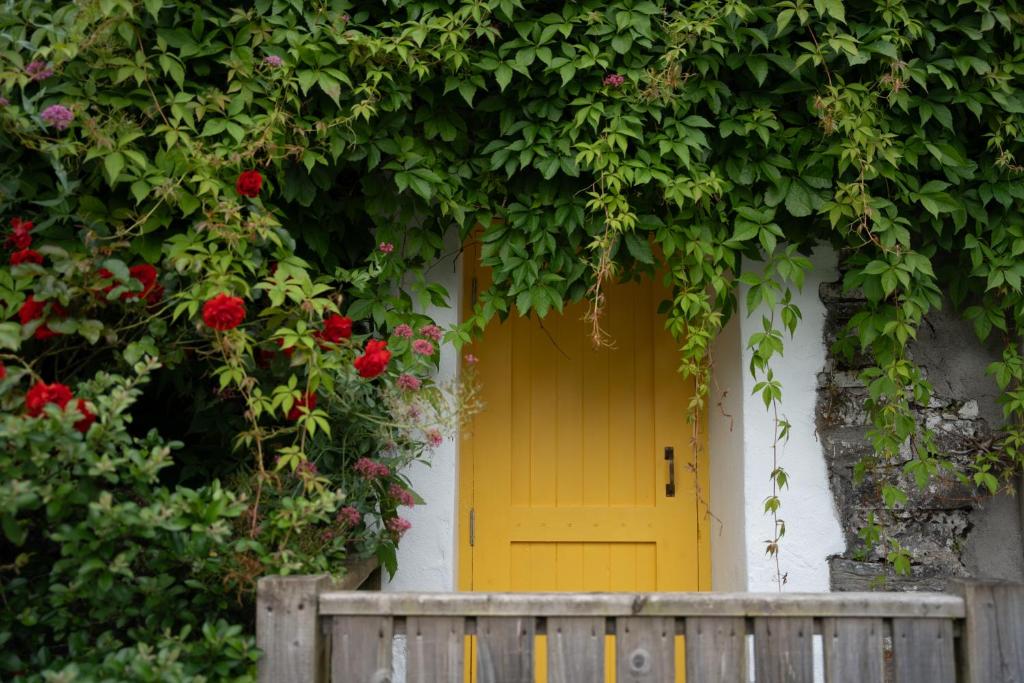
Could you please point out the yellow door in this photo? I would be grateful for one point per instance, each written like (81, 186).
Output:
(564, 471)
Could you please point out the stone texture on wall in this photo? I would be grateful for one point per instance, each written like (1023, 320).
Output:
(950, 530)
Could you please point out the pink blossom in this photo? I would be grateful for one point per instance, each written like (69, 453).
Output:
(38, 71)
(386, 247)
(370, 469)
(471, 359)
(345, 18)
(403, 330)
(399, 525)
(432, 332)
(402, 495)
(58, 116)
(327, 535)
(349, 516)
(423, 347)
(273, 60)
(408, 382)
(414, 413)
(307, 467)
(614, 80)
(434, 438)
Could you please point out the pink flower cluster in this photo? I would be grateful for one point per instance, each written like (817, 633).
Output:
(386, 247)
(402, 495)
(370, 469)
(403, 330)
(432, 332)
(58, 116)
(349, 516)
(434, 438)
(423, 347)
(307, 467)
(273, 61)
(614, 80)
(38, 71)
(399, 525)
(408, 382)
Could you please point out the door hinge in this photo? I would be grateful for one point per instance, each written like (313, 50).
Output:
(472, 291)
(472, 527)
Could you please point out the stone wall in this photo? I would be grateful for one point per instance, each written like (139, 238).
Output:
(950, 530)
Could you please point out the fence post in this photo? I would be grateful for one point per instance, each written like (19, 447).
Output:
(993, 633)
(288, 629)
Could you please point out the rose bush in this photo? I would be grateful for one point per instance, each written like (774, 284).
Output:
(269, 409)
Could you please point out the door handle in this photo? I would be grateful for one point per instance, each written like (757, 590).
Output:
(670, 457)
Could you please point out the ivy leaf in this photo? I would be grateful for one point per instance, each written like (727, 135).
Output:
(798, 200)
(622, 43)
(639, 248)
(113, 164)
(503, 74)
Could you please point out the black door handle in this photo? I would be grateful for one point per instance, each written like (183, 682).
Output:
(670, 456)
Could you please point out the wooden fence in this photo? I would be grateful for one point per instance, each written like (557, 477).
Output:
(312, 633)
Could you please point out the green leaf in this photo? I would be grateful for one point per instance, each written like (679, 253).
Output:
(639, 248)
(798, 200)
(503, 74)
(113, 164)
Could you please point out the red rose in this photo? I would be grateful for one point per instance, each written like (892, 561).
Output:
(3, 371)
(34, 310)
(42, 393)
(336, 328)
(307, 401)
(26, 256)
(374, 360)
(249, 183)
(20, 237)
(146, 274)
(88, 417)
(224, 312)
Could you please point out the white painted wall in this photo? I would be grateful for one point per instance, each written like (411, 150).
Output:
(427, 558)
(812, 526)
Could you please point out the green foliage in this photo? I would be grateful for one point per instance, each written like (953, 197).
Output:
(95, 533)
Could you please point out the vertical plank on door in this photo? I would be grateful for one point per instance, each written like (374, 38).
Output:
(645, 649)
(716, 649)
(784, 650)
(922, 651)
(853, 650)
(505, 649)
(435, 649)
(361, 649)
(575, 649)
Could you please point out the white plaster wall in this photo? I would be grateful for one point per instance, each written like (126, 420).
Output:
(427, 554)
(727, 523)
(812, 527)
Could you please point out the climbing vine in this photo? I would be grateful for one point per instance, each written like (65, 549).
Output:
(713, 143)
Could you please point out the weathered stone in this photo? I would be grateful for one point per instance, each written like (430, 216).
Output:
(938, 521)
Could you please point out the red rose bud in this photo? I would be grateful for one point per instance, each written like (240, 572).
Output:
(42, 393)
(26, 256)
(20, 237)
(224, 312)
(249, 183)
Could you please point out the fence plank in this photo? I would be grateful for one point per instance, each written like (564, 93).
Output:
(993, 636)
(434, 649)
(716, 649)
(575, 649)
(288, 629)
(361, 649)
(784, 650)
(922, 651)
(645, 649)
(504, 649)
(853, 650)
